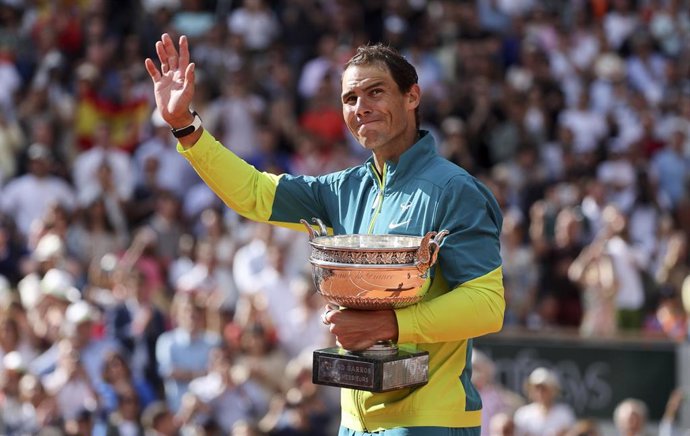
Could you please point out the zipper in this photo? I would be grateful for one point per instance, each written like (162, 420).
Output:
(358, 396)
(378, 201)
(359, 399)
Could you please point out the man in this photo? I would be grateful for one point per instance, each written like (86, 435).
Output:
(405, 188)
(183, 353)
(543, 415)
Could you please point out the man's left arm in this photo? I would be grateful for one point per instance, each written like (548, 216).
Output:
(469, 266)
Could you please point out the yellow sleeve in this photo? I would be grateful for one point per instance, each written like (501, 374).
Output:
(242, 187)
(473, 309)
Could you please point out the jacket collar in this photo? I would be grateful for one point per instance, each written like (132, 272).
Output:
(422, 150)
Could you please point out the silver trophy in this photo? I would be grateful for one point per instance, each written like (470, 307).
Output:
(371, 272)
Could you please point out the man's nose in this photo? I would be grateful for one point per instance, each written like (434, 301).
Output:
(362, 107)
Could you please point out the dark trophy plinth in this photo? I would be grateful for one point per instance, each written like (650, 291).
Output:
(376, 373)
(371, 272)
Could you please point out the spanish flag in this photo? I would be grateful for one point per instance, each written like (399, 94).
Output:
(126, 119)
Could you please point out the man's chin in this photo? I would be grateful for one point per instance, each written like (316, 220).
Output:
(367, 142)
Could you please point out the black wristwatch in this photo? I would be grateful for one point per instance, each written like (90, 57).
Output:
(188, 130)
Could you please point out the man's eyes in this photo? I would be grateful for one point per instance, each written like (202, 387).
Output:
(352, 99)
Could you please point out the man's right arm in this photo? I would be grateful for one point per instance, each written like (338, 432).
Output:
(238, 184)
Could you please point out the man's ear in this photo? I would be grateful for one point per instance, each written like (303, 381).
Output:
(413, 97)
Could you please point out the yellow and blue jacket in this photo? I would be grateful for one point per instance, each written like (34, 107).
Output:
(420, 193)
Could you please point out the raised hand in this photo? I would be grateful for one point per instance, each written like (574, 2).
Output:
(173, 84)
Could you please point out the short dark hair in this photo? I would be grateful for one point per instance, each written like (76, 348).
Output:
(404, 73)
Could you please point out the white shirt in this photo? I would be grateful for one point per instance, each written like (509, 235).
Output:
(72, 396)
(237, 117)
(249, 260)
(174, 172)
(27, 198)
(85, 170)
(258, 28)
(229, 404)
(530, 420)
(630, 293)
(588, 128)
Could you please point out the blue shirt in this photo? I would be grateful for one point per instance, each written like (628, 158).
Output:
(177, 349)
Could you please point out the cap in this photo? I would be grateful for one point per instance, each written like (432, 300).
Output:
(157, 120)
(59, 284)
(48, 247)
(39, 151)
(544, 377)
(79, 312)
(609, 66)
(13, 361)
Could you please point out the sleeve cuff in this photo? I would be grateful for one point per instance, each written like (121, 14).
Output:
(204, 140)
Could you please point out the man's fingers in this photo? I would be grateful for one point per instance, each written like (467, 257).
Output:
(189, 76)
(152, 70)
(160, 51)
(184, 53)
(170, 51)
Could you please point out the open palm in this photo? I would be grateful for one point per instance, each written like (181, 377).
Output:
(174, 82)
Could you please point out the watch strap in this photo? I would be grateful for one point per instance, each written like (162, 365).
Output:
(188, 130)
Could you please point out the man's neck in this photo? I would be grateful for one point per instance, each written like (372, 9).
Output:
(393, 156)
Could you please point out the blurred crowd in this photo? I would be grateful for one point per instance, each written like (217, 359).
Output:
(132, 302)
(541, 410)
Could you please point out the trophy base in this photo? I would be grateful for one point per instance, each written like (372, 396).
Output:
(372, 372)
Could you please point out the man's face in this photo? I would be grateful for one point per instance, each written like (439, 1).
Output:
(376, 112)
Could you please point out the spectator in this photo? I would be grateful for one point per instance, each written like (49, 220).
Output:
(124, 421)
(209, 279)
(12, 252)
(543, 416)
(593, 271)
(502, 424)
(172, 174)
(630, 417)
(89, 164)
(520, 272)
(584, 427)
(224, 396)
(14, 419)
(237, 112)
(76, 351)
(136, 322)
(628, 264)
(15, 340)
(556, 256)
(671, 166)
(118, 381)
(38, 404)
(158, 421)
(496, 400)
(667, 423)
(27, 198)
(70, 383)
(256, 23)
(101, 229)
(183, 353)
(305, 319)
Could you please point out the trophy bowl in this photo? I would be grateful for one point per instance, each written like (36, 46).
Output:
(371, 272)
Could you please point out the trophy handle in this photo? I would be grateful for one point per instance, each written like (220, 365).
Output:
(314, 233)
(428, 250)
